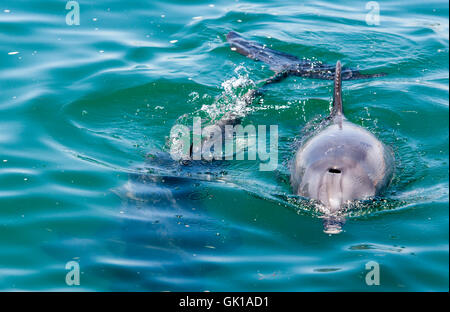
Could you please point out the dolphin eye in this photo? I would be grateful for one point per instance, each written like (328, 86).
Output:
(332, 170)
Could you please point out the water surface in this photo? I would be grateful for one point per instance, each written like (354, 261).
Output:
(86, 112)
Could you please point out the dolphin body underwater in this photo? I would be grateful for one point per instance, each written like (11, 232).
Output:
(339, 164)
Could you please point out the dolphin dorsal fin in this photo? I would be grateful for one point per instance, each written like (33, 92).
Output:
(337, 95)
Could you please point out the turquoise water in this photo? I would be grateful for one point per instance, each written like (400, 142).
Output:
(86, 112)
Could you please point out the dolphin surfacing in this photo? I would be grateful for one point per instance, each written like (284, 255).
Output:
(341, 163)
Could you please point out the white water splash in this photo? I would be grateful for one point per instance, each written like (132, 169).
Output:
(232, 99)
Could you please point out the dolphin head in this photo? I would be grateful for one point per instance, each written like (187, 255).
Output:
(339, 184)
(342, 163)
(336, 180)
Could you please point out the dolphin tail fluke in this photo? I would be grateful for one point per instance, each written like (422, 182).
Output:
(337, 95)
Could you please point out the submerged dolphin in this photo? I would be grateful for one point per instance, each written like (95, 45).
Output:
(285, 65)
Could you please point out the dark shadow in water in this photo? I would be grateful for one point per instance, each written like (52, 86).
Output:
(166, 224)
